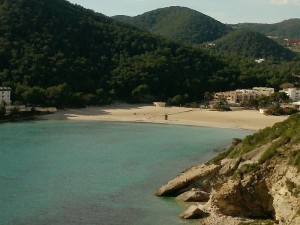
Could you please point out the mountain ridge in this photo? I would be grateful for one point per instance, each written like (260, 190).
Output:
(286, 29)
(64, 53)
(178, 23)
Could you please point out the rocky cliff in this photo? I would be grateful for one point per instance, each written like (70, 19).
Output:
(255, 181)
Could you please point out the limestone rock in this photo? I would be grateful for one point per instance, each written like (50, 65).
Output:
(193, 212)
(194, 195)
(246, 199)
(197, 173)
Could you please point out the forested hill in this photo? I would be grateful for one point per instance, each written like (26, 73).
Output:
(248, 43)
(179, 23)
(286, 29)
(54, 52)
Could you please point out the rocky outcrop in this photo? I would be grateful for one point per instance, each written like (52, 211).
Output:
(245, 198)
(241, 187)
(197, 176)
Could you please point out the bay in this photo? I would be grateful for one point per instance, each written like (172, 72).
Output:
(89, 172)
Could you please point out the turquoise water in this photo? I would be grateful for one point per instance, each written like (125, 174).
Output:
(65, 172)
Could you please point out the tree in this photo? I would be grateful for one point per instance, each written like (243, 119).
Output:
(178, 100)
(287, 85)
(59, 95)
(250, 104)
(279, 97)
(34, 96)
(208, 96)
(2, 110)
(141, 93)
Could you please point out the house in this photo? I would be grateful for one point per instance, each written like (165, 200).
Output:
(259, 60)
(293, 93)
(5, 95)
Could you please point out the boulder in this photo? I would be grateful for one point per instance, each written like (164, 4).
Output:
(250, 198)
(194, 195)
(193, 212)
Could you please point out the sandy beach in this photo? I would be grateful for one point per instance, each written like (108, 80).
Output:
(243, 119)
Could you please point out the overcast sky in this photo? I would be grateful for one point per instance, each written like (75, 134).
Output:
(226, 11)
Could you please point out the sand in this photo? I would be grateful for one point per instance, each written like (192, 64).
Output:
(242, 119)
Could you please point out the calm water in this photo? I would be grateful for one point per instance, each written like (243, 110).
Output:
(63, 172)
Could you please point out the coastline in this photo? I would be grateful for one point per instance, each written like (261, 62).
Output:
(244, 119)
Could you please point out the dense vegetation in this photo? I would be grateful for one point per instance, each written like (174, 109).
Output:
(286, 29)
(252, 44)
(281, 139)
(238, 48)
(179, 24)
(56, 53)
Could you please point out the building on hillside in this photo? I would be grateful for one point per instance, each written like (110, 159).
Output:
(241, 95)
(5, 95)
(291, 42)
(259, 60)
(293, 93)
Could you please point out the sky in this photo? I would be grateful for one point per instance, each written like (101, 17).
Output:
(226, 11)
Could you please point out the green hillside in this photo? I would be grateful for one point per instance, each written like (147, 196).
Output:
(57, 53)
(179, 24)
(248, 43)
(286, 29)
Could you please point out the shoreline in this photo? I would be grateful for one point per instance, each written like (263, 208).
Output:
(250, 120)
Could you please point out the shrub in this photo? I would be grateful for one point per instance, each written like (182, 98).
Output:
(295, 159)
(245, 169)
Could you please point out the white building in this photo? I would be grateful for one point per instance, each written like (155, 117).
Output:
(5, 95)
(293, 93)
(259, 60)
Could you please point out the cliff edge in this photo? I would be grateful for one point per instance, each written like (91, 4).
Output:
(255, 181)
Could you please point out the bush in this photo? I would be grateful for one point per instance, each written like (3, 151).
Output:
(220, 106)
(245, 169)
(295, 159)
(279, 111)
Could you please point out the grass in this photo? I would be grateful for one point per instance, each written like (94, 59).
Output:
(268, 154)
(295, 159)
(245, 169)
(287, 132)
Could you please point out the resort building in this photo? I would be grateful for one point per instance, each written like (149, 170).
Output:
(241, 95)
(5, 95)
(293, 93)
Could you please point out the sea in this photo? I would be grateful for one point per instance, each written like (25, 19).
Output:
(59, 172)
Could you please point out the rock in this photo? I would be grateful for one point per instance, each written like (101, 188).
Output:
(229, 166)
(196, 174)
(195, 195)
(249, 198)
(193, 212)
